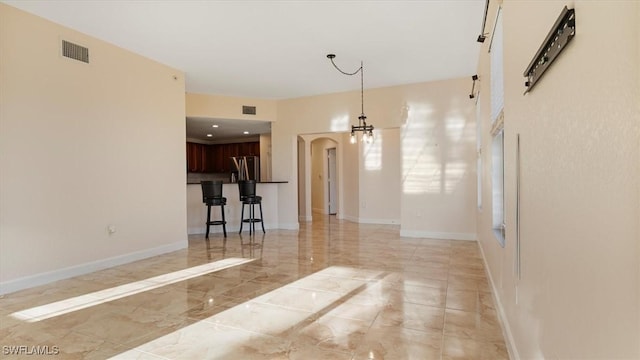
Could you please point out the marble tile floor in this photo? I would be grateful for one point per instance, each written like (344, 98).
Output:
(332, 290)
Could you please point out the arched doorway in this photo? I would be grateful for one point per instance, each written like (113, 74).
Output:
(319, 183)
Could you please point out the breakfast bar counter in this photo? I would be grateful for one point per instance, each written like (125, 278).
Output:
(197, 210)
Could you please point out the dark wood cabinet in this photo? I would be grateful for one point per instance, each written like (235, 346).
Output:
(232, 149)
(217, 158)
(226, 158)
(249, 149)
(196, 157)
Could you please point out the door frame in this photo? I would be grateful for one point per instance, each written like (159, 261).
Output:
(332, 181)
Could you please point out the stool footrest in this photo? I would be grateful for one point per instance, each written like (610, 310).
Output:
(252, 220)
(216, 222)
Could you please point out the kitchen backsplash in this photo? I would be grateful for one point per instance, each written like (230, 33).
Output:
(197, 177)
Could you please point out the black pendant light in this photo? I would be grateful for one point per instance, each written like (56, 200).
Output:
(367, 130)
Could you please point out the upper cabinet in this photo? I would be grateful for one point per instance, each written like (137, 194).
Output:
(249, 149)
(217, 158)
(196, 157)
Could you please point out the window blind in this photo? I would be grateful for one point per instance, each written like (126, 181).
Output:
(497, 69)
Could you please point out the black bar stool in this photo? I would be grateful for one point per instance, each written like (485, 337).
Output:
(212, 196)
(247, 190)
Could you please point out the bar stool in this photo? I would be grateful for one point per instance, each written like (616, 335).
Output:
(247, 191)
(212, 196)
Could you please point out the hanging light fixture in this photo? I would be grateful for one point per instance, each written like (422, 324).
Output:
(367, 130)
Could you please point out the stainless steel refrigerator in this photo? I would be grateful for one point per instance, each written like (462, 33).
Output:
(245, 168)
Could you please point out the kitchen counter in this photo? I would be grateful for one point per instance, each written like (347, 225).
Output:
(197, 210)
(259, 182)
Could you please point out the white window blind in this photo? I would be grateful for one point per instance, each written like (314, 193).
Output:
(479, 150)
(497, 128)
(497, 70)
(498, 185)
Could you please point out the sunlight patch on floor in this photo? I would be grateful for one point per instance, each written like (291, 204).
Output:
(57, 308)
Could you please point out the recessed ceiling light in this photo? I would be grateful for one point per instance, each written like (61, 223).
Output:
(246, 132)
(215, 126)
(209, 135)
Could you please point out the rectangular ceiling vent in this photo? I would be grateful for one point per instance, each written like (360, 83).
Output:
(248, 110)
(75, 51)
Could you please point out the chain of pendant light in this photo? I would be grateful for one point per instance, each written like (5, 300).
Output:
(361, 71)
(362, 119)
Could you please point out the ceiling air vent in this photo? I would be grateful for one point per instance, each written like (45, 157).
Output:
(248, 110)
(75, 51)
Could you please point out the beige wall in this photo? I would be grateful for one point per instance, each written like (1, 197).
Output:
(84, 146)
(312, 115)
(229, 107)
(350, 176)
(303, 149)
(380, 183)
(319, 173)
(414, 109)
(579, 294)
(438, 162)
(265, 157)
(312, 194)
(368, 192)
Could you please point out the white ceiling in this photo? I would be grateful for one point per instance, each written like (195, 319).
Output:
(277, 49)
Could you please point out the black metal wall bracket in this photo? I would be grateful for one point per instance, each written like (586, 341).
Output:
(473, 86)
(560, 35)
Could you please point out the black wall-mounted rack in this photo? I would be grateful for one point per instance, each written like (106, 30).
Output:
(560, 35)
(473, 86)
(483, 36)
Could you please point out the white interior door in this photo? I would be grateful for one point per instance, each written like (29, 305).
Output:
(332, 182)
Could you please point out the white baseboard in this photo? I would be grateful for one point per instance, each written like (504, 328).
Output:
(368, 221)
(502, 316)
(379, 221)
(289, 226)
(199, 230)
(307, 218)
(351, 218)
(69, 272)
(438, 235)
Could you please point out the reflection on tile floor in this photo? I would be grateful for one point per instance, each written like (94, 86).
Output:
(332, 290)
(61, 307)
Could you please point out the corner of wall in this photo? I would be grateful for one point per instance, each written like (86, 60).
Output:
(502, 315)
(77, 270)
